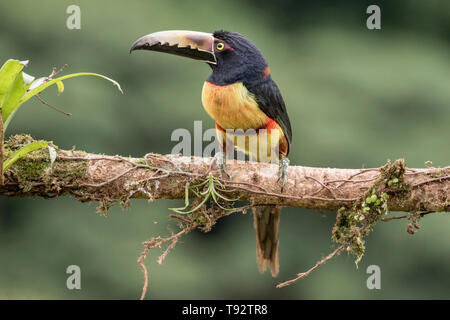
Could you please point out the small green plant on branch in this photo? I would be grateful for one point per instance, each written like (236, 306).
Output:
(16, 88)
(213, 186)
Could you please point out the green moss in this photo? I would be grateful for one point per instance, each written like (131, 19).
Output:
(79, 153)
(35, 166)
(355, 223)
(200, 220)
(103, 207)
(17, 141)
(438, 173)
(72, 172)
(27, 170)
(30, 168)
(143, 161)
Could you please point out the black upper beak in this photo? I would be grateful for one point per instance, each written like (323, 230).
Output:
(191, 44)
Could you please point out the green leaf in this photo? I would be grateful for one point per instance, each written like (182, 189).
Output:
(60, 86)
(11, 101)
(22, 152)
(47, 84)
(23, 87)
(8, 74)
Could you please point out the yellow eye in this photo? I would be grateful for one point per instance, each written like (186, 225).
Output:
(220, 46)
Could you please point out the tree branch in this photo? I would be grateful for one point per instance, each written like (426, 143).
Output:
(361, 196)
(91, 177)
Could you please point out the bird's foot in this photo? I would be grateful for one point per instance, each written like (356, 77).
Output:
(220, 159)
(284, 165)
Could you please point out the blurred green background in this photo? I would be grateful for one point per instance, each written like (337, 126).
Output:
(355, 98)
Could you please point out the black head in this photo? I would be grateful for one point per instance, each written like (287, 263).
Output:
(238, 59)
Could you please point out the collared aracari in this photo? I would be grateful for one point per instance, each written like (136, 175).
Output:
(239, 95)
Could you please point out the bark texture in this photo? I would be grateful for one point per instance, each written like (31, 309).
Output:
(91, 177)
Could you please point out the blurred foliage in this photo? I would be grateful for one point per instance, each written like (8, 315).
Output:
(355, 98)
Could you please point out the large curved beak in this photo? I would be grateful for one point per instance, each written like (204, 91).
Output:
(191, 44)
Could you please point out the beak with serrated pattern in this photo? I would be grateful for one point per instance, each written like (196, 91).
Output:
(190, 44)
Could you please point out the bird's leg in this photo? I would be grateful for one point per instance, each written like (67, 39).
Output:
(284, 165)
(220, 158)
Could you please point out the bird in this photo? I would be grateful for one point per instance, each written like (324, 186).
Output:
(241, 97)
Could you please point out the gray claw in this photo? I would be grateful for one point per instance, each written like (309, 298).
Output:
(221, 164)
(284, 165)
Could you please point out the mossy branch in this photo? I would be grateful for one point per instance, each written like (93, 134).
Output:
(362, 197)
(110, 179)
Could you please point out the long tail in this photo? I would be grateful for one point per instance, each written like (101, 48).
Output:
(267, 221)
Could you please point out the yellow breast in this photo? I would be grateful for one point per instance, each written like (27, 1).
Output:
(232, 106)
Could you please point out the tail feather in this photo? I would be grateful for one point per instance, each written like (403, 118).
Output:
(267, 221)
